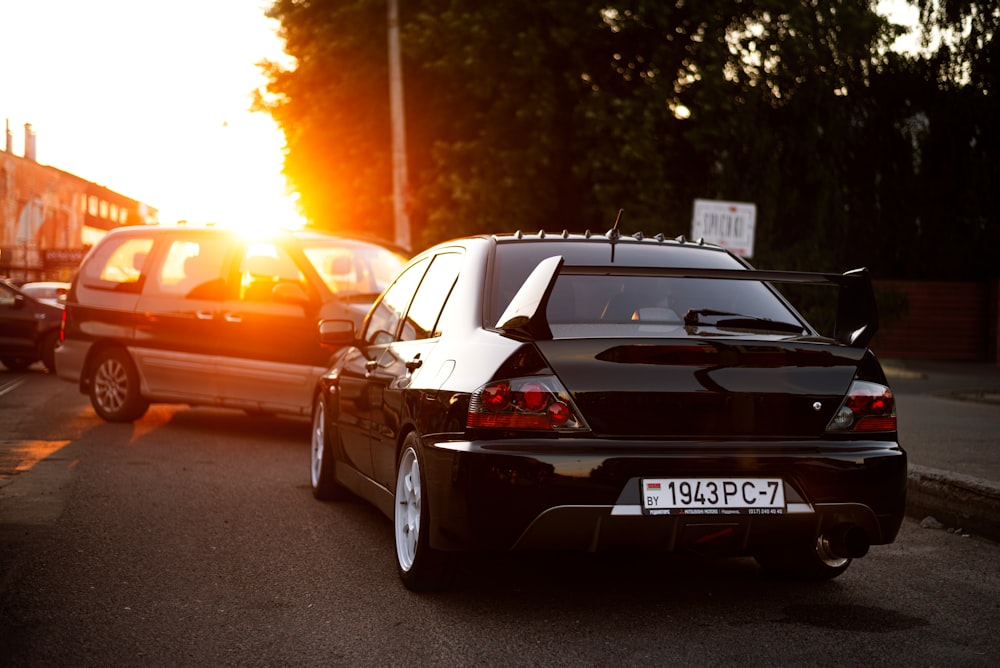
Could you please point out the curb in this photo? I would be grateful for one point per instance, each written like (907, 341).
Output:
(955, 500)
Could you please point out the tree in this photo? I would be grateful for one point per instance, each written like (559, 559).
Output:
(333, 109)
(554, 114)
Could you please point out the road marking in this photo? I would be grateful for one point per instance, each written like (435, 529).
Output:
(11, 386)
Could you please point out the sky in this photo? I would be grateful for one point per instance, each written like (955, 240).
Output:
(150, 99)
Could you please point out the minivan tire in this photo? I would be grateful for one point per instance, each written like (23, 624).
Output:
(114, 387)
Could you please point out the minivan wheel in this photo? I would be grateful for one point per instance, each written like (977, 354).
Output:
(421, 567)
(322, 467)
(114, 387)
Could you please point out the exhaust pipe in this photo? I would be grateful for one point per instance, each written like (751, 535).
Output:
(848, 541)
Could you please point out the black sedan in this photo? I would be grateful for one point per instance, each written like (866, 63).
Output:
(29, 329)
(591, 392)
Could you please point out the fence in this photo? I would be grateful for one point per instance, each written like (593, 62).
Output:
(938, 320)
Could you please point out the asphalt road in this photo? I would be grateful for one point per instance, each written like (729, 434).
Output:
(192, 538)
(949, 421)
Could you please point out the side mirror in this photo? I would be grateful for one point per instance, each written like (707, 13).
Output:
(336, 333)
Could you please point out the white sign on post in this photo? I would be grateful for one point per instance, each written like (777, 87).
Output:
(728, 224)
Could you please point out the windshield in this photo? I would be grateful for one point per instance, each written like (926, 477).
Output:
(353, 267)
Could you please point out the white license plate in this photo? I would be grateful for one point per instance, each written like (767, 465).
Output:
(713, 496)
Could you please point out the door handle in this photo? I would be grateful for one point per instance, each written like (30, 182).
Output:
(204, 315)
(233, 317)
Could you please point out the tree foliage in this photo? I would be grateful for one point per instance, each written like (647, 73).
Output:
(554, 114)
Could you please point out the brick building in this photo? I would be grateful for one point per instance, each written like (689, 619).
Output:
(49, 218)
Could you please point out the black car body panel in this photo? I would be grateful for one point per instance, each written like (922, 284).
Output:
(29, 329)
(488, 497)
(721, 382)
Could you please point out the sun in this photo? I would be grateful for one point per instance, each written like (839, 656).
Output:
(235, 181)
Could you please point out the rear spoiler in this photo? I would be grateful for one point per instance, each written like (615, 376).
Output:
(857, 312)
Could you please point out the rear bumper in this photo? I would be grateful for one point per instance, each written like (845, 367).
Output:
(71, 356)
(585, 495)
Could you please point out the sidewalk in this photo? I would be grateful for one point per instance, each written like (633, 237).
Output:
(954, 465)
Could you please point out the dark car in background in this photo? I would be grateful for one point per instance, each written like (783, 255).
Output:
(592, 392)
(208, 316)
(29, 329)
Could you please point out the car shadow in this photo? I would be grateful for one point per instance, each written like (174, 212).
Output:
(242, 424)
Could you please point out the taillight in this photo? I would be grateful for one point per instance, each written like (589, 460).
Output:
(868, 407)
(62, 327)
(536, 402)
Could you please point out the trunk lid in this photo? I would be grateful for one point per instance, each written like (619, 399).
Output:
(704, 389)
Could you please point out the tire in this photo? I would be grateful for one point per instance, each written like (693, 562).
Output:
(814, 562)
(114, 387)
(47, 350)
(17, 363)
(322, 467)
(421, 567)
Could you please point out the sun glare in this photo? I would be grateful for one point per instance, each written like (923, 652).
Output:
(141, 99)
(234, 180)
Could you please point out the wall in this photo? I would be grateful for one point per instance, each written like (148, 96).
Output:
(945, 320)
(47, 217)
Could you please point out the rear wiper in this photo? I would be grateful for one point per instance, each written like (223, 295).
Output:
(740, 321)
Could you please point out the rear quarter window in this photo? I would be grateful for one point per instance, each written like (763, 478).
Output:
(423, 317)
(118, 264)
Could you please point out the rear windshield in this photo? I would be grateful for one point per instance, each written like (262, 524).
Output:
(632, 300)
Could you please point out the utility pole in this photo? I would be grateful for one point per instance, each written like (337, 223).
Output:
(399, 175)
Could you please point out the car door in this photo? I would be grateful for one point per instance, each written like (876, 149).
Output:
(360, 385)
(178, 316)
(270, 355)
(403, 360)
(17, 323)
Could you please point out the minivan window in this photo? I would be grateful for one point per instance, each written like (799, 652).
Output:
(193, 268)
(264, 267)
(119, 266)
(353, 268)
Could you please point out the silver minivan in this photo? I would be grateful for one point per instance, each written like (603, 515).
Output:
(207, 316)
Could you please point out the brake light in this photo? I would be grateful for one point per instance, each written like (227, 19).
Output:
(868, 407)
(535, 403)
